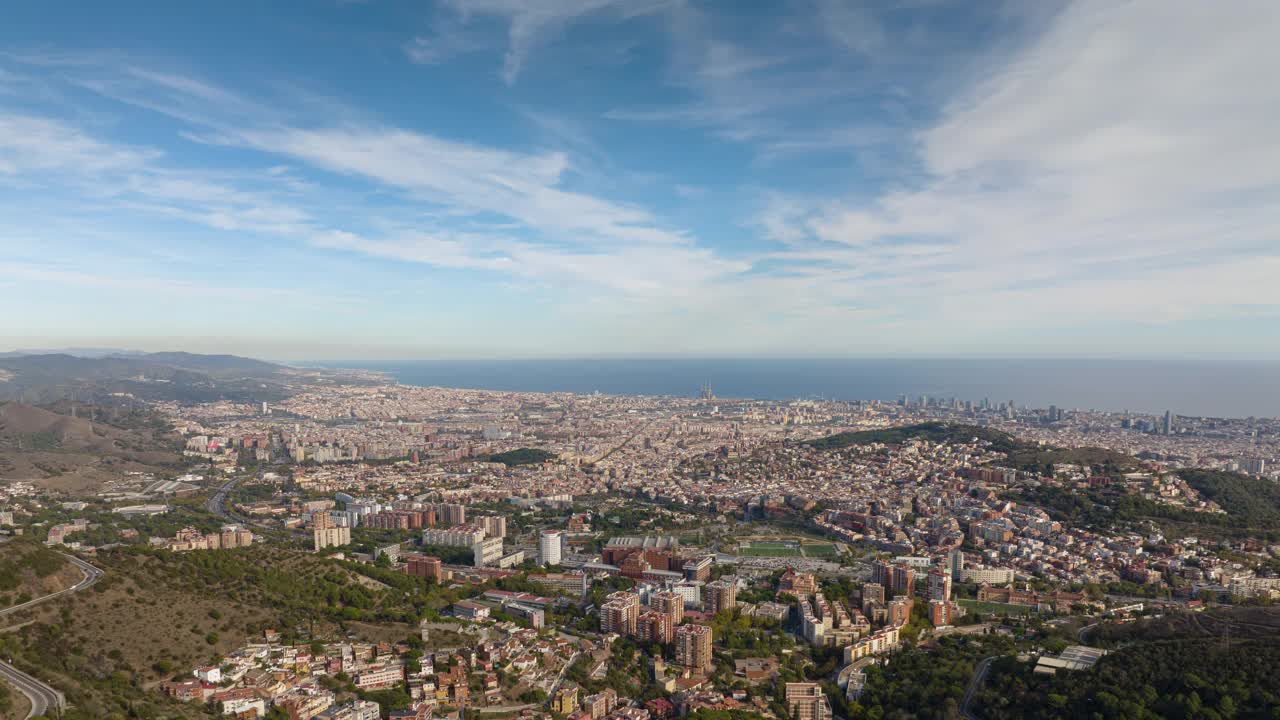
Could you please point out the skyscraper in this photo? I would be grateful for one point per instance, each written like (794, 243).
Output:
(1167, 427)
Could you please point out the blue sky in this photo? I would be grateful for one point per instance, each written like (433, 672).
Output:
(389, 180)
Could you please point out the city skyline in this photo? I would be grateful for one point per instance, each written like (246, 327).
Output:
(582, 178)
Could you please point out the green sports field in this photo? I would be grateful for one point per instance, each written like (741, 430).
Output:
(784, 548)
(819, 550)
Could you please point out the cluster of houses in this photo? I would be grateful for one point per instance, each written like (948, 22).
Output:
(300, 678)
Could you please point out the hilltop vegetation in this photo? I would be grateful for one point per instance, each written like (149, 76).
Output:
(1250, 501)
(29, 570)
(1100, 461)
(924, 682)
(1251, 505)
(156, 614)
(184, 377)
(521, 456)
(937, 432)
(1175, 667)
(74, 453)
(1021, 455)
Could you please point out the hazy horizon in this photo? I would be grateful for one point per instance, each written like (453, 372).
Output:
(343, 360)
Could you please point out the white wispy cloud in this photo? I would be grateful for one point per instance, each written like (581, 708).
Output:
(530, 24)
(477, 207)
(31, 144)
(1119, 165)
(522, 186)
(1112, 167)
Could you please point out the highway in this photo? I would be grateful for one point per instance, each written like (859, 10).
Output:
(217, 504)
(43, 697)
(90, 574)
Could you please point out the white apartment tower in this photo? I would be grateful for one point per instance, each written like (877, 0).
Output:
(550, 543)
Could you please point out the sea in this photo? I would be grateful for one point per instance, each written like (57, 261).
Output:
(1151, 387)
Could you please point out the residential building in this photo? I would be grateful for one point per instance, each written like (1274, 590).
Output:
(669, 603)
(456, 536)
(899, 577)
(620, 613)
(693, 647)
(720, 595)
(330, 537)
(424, 566)
(939, 587)
(493, 525)
(656, 627)
(565, 700)
(882, 640)
(806, 701)
(487, 552)
(955, 563)
(940, 613)
(550, 547)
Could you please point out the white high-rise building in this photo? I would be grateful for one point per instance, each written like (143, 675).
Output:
(550, 545)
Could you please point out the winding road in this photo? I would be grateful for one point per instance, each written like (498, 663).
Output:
(43, 697)
(91, 575)
(979, 677)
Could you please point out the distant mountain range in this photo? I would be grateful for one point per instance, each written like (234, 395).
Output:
(118, 377)
(78, 352)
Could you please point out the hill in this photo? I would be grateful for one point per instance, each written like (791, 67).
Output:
(1181, 665)
(212, 363)
(174, 376)
(937, 432)
(1250, 501)
(29, 570)
(1021, 455)
(1251, 505)
(32, 428)
(72, 454)
(1101, 461)
(155, 615)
